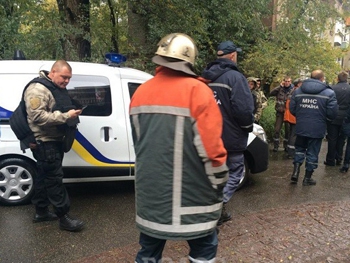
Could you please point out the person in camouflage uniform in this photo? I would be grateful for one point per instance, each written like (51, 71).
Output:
(261, 101)
(252, 86)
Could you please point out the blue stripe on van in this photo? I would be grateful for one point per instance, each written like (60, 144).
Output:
(94, 152)
(5, 114)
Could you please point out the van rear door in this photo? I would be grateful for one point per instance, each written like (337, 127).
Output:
(129, 88)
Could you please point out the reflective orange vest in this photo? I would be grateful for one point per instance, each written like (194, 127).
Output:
(288, 116)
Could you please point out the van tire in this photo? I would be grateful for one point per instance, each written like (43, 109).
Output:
(245, 176)
(16, 181)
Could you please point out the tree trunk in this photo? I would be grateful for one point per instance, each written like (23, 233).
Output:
(76, 14)
(114, 37)
(136, 30)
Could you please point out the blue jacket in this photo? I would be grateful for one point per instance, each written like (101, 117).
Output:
(313, 104)
(232, 94)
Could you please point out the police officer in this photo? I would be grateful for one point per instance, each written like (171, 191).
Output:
(51, 113)
(312, 104)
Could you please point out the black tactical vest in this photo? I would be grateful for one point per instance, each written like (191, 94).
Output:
(19, 123)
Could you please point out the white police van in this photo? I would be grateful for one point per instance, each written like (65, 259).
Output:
(103, 145)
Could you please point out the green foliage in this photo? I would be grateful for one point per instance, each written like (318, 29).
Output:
(297, 45)
(32, 32)
(268, 118)
(10, 21)
(294, 47)
(38, 39)
(208, 22)
(102, 28)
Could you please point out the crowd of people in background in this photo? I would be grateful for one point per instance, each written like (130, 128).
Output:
(302, 137)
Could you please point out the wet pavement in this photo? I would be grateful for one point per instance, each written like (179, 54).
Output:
(273, 221)
(305, 233)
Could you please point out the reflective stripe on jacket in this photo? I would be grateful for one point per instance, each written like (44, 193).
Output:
(180, 158)
(232, 94)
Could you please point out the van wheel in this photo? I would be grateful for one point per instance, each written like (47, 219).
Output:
(245, 176)
(16, 181)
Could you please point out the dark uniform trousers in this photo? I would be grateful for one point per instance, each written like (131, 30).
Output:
(278, 127)
(307, 149)
(336, 142)
(202, 249)
(48, 184)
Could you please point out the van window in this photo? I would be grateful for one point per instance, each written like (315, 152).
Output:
(133, 87)
(93, 93)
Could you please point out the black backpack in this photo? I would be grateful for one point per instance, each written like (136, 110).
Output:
(20, 126)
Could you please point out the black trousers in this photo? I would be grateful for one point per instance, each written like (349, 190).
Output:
(48, 184)
(336, 142)
(202, 249)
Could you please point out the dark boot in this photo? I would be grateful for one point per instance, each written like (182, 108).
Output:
(70, 224)
(225, 216)
(307, 179)
(345, 168)
(296, 172)
(285, 145)
(43, 215)
(276, 144)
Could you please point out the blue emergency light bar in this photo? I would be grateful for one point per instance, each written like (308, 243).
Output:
(114, 59)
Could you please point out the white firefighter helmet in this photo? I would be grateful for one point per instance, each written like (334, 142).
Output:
(179, 46)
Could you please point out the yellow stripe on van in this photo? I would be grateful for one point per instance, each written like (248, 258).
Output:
(87, 157)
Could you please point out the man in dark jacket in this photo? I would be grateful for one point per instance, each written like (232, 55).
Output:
(312, 104)
(335, 138)
(282, 92)
(235, 101)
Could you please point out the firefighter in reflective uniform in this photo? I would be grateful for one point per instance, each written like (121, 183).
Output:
(180, 158)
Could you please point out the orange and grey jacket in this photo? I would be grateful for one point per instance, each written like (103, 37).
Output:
(180, 158)
(288, 116)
